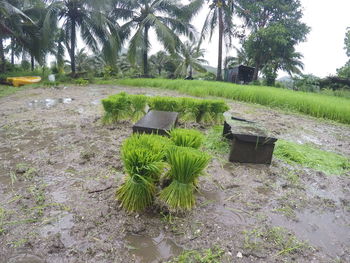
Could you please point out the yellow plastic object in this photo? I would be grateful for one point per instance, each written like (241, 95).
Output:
(19, 81)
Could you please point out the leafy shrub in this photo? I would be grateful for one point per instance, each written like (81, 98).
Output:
(186, 138)
(143, 158)
(187, 165)
(81, 82)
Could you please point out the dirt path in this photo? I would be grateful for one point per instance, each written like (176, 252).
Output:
(60, 168)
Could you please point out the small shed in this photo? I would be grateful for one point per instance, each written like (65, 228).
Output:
(240, 74)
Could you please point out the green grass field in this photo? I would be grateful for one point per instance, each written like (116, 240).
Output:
(316, 105)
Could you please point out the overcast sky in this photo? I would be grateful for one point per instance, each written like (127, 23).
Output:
(324, 49)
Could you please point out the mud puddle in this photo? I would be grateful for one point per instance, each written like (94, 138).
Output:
(326, 230)
(224, 213)
(151, 250)
(49, 103)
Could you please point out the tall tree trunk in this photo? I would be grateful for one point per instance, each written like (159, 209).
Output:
(159, 71)
(190, 73)
(2, 57)
(32, 62)
(72, 47)
(221, 34)
(145, 52)
(256, 71)
(12, 51)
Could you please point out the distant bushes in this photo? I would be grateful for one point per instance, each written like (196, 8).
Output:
(124, 106)
(317, 105)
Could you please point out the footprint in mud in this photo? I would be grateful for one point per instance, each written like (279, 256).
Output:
(150, 250)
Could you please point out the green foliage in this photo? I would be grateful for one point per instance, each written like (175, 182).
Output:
(186, 138)
(211, 255)
(81, 82)
(307, 83)
(117, 107)
(206, 111)
(186, 165)
(215, 143)
(308, 156)
(124, 106)
(143, 158)
(317, 105)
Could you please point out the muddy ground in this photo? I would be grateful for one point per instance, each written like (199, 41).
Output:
(60, 168)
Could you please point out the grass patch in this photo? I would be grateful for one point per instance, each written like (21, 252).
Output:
(215, 143)
(277, 238)
(211, 255)
(310, 157)
(8, 90)
(316, 105)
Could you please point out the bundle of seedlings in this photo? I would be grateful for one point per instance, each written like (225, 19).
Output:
(117, 107)
(186, 165)
(143, 158)
(138, 106)
(124, 106)
(186, 138)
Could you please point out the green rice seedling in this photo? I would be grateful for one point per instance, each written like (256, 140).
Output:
(308, 156)
(138, 104)
(190, 109)
(317, 105)
(204, 112)
(186, 138)
(217, 108)
(186, 165)
(166, 104)
(153, 143)
(117, 107)
(143, 168)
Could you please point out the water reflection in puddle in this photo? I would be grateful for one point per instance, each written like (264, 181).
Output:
(150, 250)
(49, 103)
(224, 214)
(326, 230)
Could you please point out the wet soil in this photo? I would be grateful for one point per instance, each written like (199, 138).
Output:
(60, 168)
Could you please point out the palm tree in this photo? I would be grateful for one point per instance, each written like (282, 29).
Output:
(90, 18)
(159, 60)
(220, 16)
(168, 18)
(11, 20)
(191, 57)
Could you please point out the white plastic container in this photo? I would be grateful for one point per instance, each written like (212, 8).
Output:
(52, 78)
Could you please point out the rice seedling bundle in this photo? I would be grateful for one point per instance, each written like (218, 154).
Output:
(317, 105)
(143, 159)
(186, 138)
(186, 165)
(123, 106)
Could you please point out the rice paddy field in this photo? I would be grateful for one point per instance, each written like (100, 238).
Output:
(313, 104)
(65, 173)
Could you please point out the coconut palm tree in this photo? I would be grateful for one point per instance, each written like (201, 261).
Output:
(191, 57)
(11, 20)
(168, 18)
(89, 17)
(219, 17)
(159, 60)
